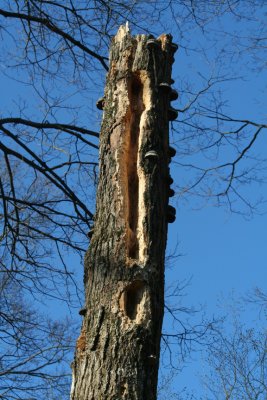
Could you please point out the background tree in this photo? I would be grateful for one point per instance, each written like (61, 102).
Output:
(34, 349)
(238, 356)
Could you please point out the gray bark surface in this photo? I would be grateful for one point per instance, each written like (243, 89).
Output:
(117, 353)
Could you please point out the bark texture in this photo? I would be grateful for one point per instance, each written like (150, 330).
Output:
(117, 354)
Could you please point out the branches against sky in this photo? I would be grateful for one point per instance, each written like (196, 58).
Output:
(53, 62)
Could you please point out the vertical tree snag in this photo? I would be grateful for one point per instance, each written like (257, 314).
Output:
(117, 353)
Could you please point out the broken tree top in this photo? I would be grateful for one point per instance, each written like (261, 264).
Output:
(162, 44)
(124, 31)
(135, 135)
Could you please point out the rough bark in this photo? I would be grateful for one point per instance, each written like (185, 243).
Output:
(117, 354)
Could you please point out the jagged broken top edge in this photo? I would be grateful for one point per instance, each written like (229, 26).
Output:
(122, 31)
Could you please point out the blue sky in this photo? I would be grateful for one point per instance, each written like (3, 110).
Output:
(222, 252)
(225, 255)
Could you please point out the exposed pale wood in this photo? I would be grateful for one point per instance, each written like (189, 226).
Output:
(117, 353)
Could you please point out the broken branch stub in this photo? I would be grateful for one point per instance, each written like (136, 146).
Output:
(124, 266)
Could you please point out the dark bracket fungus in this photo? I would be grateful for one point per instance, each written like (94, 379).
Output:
(172, 152)
(174, 47)
(100, 103)
(171, 214)
(152, 358)
(170, 180)
(152, 154)
(174, 95)
(165, 87)
(173, 114)
(151, 43)
(83, 311)
(171, 192)
(90, 233)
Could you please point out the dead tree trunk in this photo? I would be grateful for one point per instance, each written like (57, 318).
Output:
(117, 355)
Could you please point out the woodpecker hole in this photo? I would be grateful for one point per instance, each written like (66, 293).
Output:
(131, 301)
